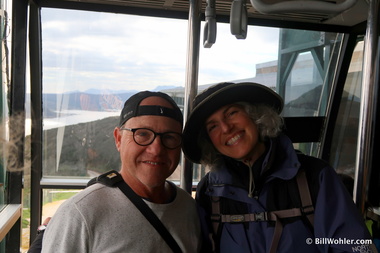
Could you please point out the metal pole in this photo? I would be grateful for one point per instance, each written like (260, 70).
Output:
(191, 85)
(16, 102)
(36, 116)
(367, 107)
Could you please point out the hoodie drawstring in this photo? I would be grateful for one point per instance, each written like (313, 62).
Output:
(251, 183)
(251, 179)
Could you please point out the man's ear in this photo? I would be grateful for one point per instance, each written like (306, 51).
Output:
(117, 137)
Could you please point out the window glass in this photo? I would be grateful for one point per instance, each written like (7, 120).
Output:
(92, 63)
(307, 63)
(4, 112)
(298, 64)
(345, 135)
(236, 60)
(231, 59)
(5, 144)
(53, 198)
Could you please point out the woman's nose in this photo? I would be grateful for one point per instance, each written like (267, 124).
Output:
(225, 126)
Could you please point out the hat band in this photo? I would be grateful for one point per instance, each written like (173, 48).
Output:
(155, 110)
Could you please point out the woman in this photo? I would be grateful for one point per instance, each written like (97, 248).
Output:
(250, 200)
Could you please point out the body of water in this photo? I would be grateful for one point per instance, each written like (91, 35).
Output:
(71, 117)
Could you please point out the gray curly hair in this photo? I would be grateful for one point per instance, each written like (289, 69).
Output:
(267, 120)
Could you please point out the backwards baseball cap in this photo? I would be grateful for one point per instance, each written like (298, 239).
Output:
(216, 96)
(132, 107)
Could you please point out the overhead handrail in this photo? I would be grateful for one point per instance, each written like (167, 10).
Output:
(209, 32)
(302, 6)
(239, 19)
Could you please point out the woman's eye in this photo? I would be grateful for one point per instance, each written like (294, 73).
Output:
(231, 113)
(210, 128)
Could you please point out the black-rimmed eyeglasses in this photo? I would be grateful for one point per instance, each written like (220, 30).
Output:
(145, 137)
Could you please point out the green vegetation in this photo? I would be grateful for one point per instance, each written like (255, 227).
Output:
(57, 195)
(25, 217)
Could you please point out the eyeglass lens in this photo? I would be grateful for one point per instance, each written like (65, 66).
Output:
(145, 137)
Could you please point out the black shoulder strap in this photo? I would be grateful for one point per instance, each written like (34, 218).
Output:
(306, 209)
(304, 191)
(114, 179)
(109, 178)
(149, 215)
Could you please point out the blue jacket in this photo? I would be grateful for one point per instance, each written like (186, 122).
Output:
(336, 218)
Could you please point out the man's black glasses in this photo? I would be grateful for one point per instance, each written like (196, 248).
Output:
(145, 137)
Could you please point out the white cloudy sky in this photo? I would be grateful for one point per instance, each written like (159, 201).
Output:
(85, 50)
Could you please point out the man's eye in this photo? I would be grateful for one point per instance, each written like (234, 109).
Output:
(142, 133)
(170, 137)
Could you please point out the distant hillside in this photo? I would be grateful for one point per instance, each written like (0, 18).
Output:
(85, 146)
(91, 100)
(83, 101)
(75, 149)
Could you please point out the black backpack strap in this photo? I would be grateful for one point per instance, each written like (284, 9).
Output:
(109, 178)
(114, 179)
(306, 209)
(216, 214)
(149, 215)
(215, 222)
(304, 191)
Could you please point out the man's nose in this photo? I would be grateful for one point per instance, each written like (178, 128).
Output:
(156, 146)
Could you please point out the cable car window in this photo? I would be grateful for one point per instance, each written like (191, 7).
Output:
(345, 137)
(53, 198)
(6, 144)
(297, 64)
(92, 63)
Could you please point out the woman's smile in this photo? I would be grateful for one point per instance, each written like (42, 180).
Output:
(234, 139)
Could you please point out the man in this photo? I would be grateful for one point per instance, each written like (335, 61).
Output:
(102, 219)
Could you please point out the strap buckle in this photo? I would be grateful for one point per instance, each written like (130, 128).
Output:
(262, 216)
(216, 217)
(306, 210)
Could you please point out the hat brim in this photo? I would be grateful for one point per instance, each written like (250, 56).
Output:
(252, 93)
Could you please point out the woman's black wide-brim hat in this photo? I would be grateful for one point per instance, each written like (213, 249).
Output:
(211, 99)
